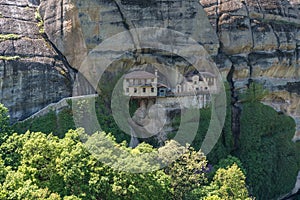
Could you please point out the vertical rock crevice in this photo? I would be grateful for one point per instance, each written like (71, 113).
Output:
(236, 110)
(128, 26)
(71, 75)
(62, 18)
(250, 26)
(234, 101)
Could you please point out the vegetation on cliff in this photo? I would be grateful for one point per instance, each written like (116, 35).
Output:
(266, 151)
(35, 165)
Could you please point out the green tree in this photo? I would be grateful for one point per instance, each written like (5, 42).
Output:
(16, 187)
(229, 161)
(4, 123)
(3, 171)
(268, 154)
(213, 197)
(229, 184)
(188, 172)
(41, 166)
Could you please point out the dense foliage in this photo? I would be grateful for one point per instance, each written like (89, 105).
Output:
(266, 151)
(39, 166)
(5, 129)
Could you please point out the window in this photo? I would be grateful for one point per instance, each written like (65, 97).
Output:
(206, 88)
(135, 90)
(178, 89)
(144, 90)
(127, 90)
(152, 80)
(195, 82)
(152, 90)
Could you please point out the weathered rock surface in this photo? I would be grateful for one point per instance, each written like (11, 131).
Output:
(63, 28)
(258, 40)
(100, 20)
(31, 73)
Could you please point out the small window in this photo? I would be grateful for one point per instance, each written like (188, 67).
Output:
(206, 88)
(195, 82)
(152, 90)
(152, 80)
(144, 90)
(127, 90)
(135, 90)
(178, 89)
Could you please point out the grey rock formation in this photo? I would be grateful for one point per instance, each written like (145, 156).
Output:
(63, 28)
(102, 19)
(255, 40)
(259, 38)
(31, 73)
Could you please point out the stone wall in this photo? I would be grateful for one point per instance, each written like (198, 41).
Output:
(181, 102)
(59, 106)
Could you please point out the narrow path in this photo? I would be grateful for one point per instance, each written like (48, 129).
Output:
(57, 106)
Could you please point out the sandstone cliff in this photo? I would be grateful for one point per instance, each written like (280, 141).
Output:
(260, 40)
(249, 40)
(32, 73)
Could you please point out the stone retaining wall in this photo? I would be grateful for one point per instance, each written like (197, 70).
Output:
(57, 107)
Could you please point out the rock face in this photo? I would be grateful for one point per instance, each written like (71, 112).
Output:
(248, 39)
(32, 75)
(187, 17)
(76, 27)
(259, 38)
(63, 28)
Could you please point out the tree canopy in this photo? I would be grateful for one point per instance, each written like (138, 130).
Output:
(39, 166)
